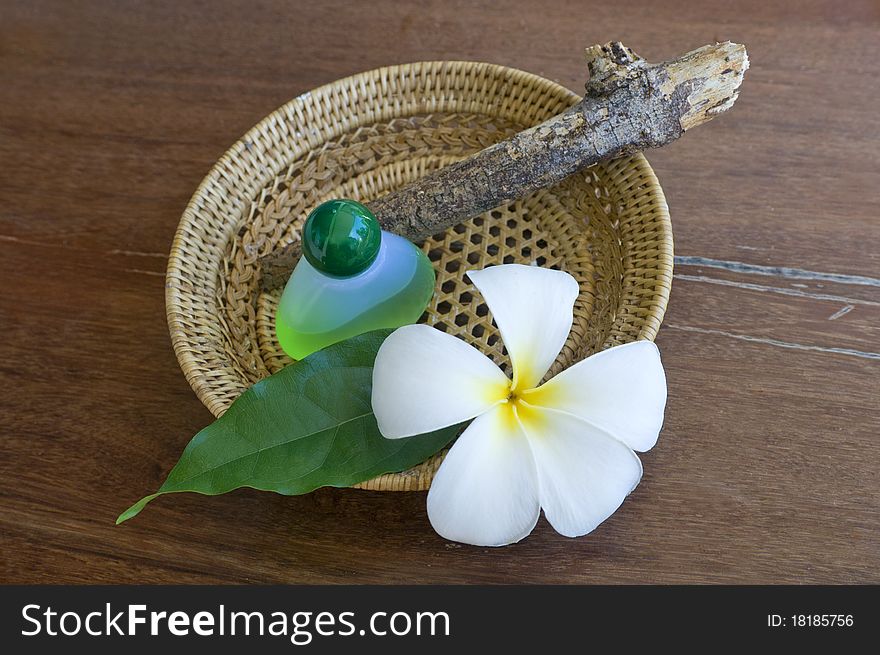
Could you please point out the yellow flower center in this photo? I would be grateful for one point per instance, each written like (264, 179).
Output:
(519, 407)
(515, 409)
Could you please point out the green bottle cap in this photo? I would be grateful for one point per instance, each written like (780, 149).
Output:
(341, 238)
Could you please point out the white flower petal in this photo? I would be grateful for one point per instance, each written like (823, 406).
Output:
(424, 380)
(532, 307)
(486, 491)
(621, 390)
(584, 474)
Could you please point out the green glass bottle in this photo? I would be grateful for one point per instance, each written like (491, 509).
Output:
(353, 277)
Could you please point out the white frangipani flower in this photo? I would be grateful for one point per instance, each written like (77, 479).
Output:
(565, 446)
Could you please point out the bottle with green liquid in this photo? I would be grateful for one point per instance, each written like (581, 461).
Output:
(353, 277)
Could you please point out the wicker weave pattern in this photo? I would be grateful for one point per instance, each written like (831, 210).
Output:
(366, 135)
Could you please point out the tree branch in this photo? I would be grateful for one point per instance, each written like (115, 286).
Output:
(629, 106)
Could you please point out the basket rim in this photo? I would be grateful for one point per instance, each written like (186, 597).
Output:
(177, 258)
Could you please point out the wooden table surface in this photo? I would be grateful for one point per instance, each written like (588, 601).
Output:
(767, 468)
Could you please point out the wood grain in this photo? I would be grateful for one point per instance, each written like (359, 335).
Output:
(767, 468)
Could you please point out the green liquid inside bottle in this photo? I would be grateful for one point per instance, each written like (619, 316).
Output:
(353, 278)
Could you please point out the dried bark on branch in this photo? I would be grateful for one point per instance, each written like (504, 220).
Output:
(630, 105)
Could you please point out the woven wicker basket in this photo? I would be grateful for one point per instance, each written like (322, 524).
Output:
(366, 135)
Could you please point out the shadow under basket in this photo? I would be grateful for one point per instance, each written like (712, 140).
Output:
(367, 135)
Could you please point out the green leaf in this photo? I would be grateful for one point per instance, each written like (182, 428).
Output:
(310, 425)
